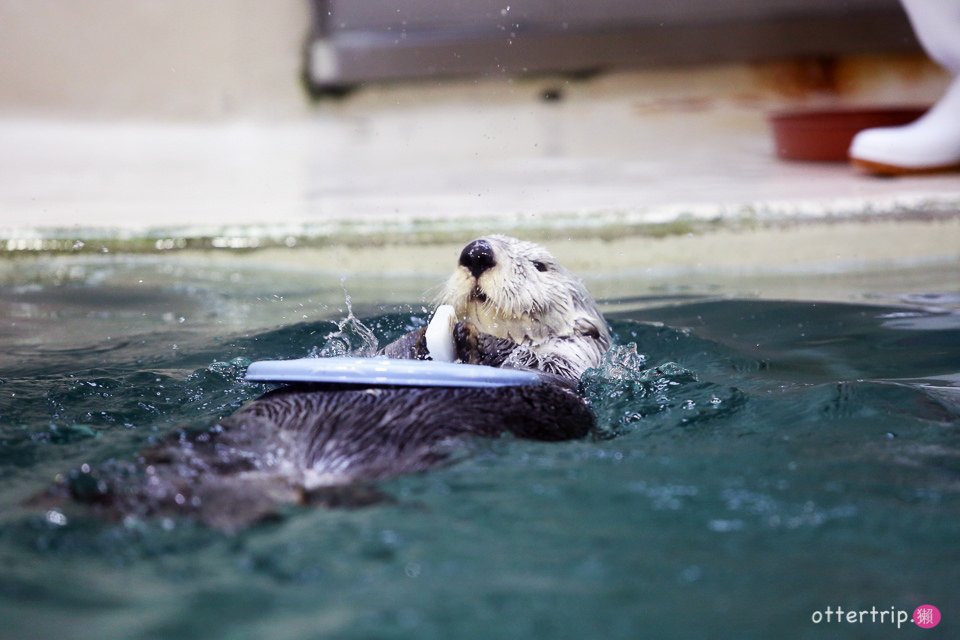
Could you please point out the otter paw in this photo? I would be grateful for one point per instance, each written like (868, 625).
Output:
(466, 339)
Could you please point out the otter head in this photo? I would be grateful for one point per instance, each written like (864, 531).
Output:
(516, 290)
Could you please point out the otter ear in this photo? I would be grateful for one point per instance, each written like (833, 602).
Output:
(586, 327)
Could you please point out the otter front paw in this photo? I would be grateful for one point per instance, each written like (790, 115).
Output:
(410, 346)
(466, 340)
(474, 347)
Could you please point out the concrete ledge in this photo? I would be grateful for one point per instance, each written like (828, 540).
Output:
(650, 157)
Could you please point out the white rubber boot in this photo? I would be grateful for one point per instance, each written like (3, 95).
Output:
(931, 143)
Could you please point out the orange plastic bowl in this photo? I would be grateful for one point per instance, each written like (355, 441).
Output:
(824, 136)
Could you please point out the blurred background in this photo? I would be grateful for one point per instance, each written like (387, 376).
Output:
(172, 125)
(235, 58)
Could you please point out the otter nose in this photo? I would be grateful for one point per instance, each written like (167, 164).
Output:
(477, 257)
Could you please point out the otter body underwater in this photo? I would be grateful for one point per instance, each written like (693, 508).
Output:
(515, 306)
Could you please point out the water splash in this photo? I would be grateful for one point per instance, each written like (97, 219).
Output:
(625, 394)
(352, 337)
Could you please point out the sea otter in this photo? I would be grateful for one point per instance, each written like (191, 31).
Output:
(518, 308)
(508, 303)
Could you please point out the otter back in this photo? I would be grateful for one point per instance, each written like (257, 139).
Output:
(310, 444)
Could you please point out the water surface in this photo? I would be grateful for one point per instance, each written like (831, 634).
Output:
(756, 461)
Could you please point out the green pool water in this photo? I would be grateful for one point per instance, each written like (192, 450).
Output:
(757, 461)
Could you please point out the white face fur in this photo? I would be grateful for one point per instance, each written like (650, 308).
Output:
(526, 297)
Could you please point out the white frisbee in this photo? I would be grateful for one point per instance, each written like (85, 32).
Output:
(387, 371)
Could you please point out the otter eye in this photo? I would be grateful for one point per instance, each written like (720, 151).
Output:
(539, 265)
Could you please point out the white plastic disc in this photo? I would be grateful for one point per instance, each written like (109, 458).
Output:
(387, 371)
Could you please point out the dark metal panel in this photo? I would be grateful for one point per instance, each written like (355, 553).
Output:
(358, 42)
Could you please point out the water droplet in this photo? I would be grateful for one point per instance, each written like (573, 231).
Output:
(56, 518)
